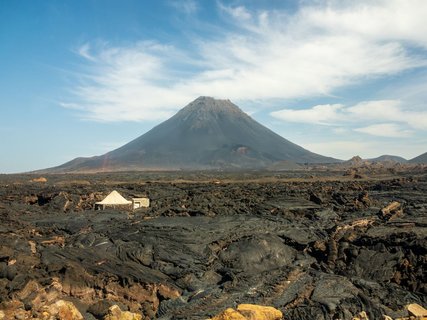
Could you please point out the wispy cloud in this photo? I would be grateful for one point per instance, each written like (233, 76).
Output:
(269, 54)
(129, 83)
(389, 130)
(387, 118)
(185, 6)
(390, 110)
(83, 51)
(239, 12)
(326, 114)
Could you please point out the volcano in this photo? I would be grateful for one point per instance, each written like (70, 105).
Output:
(207, 134)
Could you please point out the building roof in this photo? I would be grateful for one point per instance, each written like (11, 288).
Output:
(114, 198)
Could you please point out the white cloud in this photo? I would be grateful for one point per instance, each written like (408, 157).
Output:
(123, 84)
(340, 130)
(271, 54)
(377, 109)
(389, 110)
(377, 112)
(376, 20)
(390, 130)
(83, 51)
(185, 6)
(320, 114)
(239, 13)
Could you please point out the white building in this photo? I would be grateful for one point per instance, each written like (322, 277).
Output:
(113, 200)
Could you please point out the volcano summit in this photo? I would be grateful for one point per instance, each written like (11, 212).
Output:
(206, 134)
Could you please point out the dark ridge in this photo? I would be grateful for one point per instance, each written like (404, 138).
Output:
(420, 159)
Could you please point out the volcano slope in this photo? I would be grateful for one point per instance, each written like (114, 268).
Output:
(315, 248)
(207, 134)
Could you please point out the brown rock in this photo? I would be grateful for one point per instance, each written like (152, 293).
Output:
(229, 314)
(56, 240)
(320, 245)
(32, 199)
(14, 310)
(115, 313)
(30, 288)
(167, 292)
(417, 311)
(255, 312)
(33, 247)
(391, 207)
(41, 179)
(362, 200)
(133, 295)
(250, 312)
(361, 316)
(391, 211)
(37, 296)
(63, 310)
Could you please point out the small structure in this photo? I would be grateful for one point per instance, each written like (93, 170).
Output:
(113, 200)
(140, 203)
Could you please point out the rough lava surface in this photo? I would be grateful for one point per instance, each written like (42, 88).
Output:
(311, 245)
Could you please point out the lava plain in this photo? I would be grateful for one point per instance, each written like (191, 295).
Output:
(312, 245)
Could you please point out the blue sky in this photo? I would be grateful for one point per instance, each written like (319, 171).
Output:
(82, 77)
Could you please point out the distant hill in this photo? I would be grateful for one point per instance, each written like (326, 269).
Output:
(206, 134)
(388, 158)
(420, 159)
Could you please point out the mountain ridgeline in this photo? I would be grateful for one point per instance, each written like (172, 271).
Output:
(207, 134)
(421, 159)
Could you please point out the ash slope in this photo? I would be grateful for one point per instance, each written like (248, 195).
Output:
(206, 134)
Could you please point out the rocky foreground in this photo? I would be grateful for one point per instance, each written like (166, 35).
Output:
(311, 248)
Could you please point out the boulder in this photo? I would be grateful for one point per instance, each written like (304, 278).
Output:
(229, 314)
(115, 313)
(167, 292)
(64, 310)
(255, 312)
(417, 311)
(389, 212)
(250, 312)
